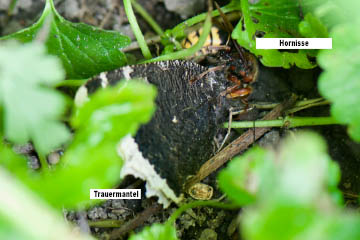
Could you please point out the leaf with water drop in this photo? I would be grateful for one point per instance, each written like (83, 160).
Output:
(83, 49)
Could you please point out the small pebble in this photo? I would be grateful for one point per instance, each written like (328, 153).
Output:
(185, 8)
(72, 9)
(208, 234)
(33, 162)
(97, 213)
(270, 139)
(54, 157)
(4, 4)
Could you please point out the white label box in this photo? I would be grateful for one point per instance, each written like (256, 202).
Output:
(293, 43)
(115, 193)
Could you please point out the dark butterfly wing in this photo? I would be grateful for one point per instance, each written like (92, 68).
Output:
(181, 135)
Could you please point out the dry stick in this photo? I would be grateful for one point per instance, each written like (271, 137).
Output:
(230, 29)
(135, 45)
(351, 195)
(135, 222)
(238, 145)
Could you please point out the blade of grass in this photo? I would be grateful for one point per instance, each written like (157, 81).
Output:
(138, 8)
(189, 51)
(136, 29)
(179, 30)
(300, 105)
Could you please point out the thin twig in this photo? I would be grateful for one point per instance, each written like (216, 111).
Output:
(288, 122)
(135, 222)
(106, 19)
(230, 29)
(229, 129)
(201, 75)
(135, 45)
(305, 104)
(351, 195)
(238, 145)
(300, 105)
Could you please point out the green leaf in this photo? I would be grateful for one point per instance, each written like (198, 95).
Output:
(83, 168)
(271, 19)
(84, 50)
(129, 99)
(297, 202)
(339, 82)
(334, 176)
(347, 10)
(344, 226)
(277, 221)
(30, 219)
(304, 172)
(91, 161)
(1, 121)
(339, 225)
(15, 164)
(312, 27)
(329, 12)
(239, 180)
(10, 232)
(31, 108)
(156, 232)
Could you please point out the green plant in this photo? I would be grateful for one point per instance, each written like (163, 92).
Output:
(339, 82)
(287, 194)
(303, 204)
(84, 50)
(100, 124)
(20, 90)
(306, 203)
(32, 110)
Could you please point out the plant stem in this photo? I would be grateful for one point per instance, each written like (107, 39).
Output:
(238, 145)
(194, 204)
(43, 162)
(11, 7)
(289, 122)
(52, 5)
(136, 29)
(178, 31)
(300, 105)
(135, 222)
(190, 51)
(147, 18)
